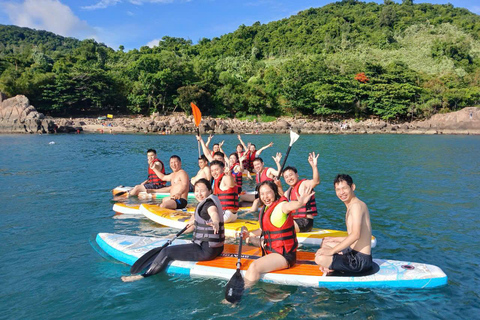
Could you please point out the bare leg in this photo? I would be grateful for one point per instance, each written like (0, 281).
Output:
(270, 262)
(324, 262)
(136, 190)
(168, 203)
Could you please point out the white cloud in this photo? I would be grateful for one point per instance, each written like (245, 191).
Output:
(154, 43)
(102, 4)
(48, 15)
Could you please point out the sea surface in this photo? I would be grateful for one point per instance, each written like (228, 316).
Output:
(422, 191)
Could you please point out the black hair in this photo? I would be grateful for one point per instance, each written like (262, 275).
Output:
(240, 145)
(175, 157)
(205, 182)
(202, 157)
(234, 154)
(290, 168)
(216, 144)
(219, 153)
(218, 163)
(272, 185)
(258, 159)
(152, 150)
(343, 177)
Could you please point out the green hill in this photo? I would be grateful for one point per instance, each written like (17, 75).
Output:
(349, 58)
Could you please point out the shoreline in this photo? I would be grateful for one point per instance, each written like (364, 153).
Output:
(462, 122)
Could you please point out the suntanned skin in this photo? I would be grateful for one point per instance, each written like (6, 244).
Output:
(228, 181)
(291, 178)
(157, 165)
(204, 172)
(359, 229)
(271, 261)
(179, 184)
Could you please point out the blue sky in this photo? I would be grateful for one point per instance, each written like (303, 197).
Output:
(135, 23)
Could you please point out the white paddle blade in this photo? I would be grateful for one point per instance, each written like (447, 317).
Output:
(293, 137)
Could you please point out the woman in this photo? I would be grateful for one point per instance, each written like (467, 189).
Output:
(236, 167)
(208, 236)
(276, 235)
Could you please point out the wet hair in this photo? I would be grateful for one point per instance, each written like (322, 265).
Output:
(219, 153)
(258, 159)
(272, 185)
(152, 150)
(205, 182)
(218, 163)
(202, 157)
(290, 168)
(175, 157)
(343, 177)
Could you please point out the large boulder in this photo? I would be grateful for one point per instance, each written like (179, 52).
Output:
(18, 116)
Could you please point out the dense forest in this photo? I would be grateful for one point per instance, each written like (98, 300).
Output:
(347, 59)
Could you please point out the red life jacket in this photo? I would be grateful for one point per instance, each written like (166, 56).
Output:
(228, 198)
(309, 208)
(152, 176)
(262, 176)
(250, 157)
(238, 176)
(281, 240)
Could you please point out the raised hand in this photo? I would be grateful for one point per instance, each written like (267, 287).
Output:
(303, 199)
(313, 159)
(277, 157)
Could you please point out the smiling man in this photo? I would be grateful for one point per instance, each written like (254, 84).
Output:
(351, 254)
(303, 216)
(179, 185)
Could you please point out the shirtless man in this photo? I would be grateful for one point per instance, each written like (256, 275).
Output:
(179, 185)
(153, 181)
(303, 217)
(203, 173)
(351, 254)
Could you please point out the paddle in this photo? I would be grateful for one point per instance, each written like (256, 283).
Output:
(147, 259)
(197, 116)
(236, 285)
(293, 137)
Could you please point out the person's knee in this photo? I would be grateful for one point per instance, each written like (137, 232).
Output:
(253, 272)
(323, 261)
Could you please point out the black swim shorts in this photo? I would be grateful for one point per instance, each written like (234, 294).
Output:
(181, 203)
(351, 261)
(304, 224)
(153, 186)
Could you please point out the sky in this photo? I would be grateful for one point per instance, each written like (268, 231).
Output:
(136, 23)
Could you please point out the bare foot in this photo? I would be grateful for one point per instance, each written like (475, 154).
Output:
(132, 278)
(144, 195)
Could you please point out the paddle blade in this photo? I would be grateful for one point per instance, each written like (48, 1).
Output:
(235, 288)
(146, 260)
(293, 137)
(197, 115)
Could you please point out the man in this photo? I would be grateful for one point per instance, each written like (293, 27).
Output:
(153, 181)
(225, 188)
(302, 217)
(263, 174)
(351, 254)
(179, 185)
(203, 173)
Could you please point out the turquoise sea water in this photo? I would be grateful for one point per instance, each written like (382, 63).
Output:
(422, 191)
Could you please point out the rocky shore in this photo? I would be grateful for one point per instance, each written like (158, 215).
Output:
(18, 116)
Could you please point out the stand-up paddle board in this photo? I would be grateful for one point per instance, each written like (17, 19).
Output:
(122, 191)
(178, 219)
(385, 274)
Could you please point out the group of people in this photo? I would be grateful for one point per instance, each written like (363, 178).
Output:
(218, 189)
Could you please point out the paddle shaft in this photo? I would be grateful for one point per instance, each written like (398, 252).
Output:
(284, 161)
(239, 260)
